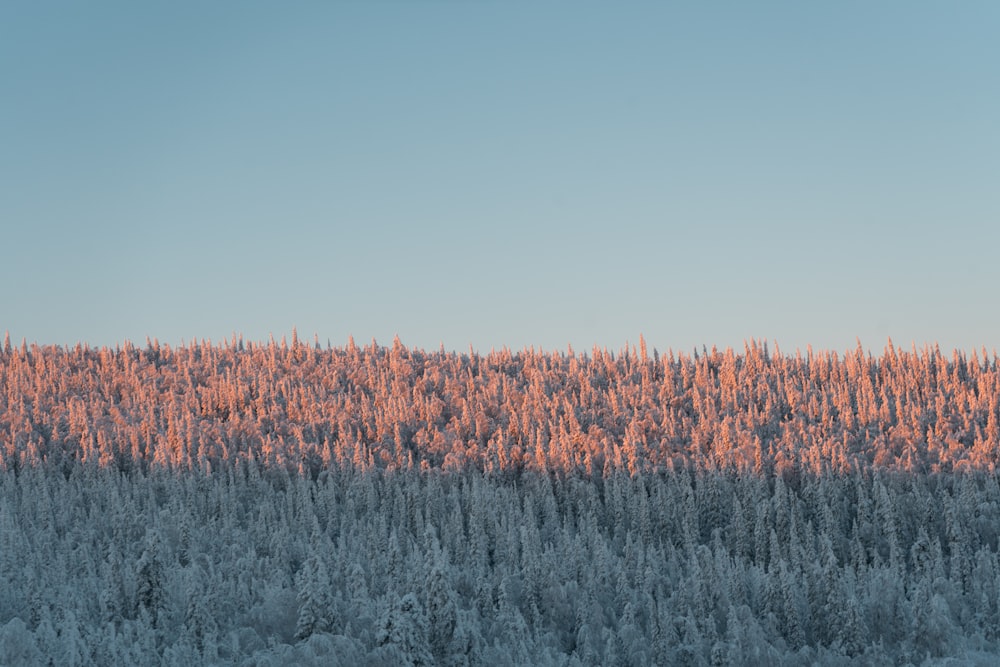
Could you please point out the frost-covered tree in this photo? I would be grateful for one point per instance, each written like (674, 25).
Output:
(150, 594)
(316, 609)
(442, 613)
(401, 632)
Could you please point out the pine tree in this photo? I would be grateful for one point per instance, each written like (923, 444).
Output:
(74, 651)
(112, 600)
(199, 623)
(441, 611)
(17, 644)
(315, 599)
(401, 631)
(149, 579)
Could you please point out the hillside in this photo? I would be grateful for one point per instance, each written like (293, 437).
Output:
(284, 504)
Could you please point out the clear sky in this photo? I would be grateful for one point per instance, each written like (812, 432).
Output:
(502, 173)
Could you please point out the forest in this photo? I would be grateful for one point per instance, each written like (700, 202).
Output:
(287, 503)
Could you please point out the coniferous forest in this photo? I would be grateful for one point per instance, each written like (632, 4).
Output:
(294, 504)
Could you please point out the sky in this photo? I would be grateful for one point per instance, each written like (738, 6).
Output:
(502, 174)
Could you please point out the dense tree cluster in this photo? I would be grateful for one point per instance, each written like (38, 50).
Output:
(432, 568)
(287, 504)
(300, 407)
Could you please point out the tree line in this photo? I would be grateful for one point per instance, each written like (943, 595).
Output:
(303, 408)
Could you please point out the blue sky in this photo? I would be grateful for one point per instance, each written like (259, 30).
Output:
(497, 173)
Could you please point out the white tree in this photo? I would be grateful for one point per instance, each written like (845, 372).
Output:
(401, 631)
(149, 578)
(316, 613)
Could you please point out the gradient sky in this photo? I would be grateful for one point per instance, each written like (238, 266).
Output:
(502, 173)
